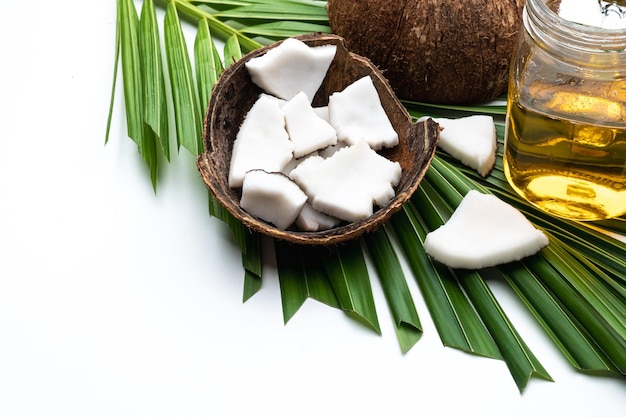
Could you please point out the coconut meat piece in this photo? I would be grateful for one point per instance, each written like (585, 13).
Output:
(280, 71)
(472, 140)
(280, 101)
(357, 114)
(483, 231)
(262, 142)
(349, 183)
(306, 129)
(311, 220)
(322, 112)
(295, 162)
(330, 150)
(272, 197)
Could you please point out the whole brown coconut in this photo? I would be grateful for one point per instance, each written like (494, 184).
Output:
(435, 51)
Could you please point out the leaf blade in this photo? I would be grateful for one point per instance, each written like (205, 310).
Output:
(116, 62)
(569, 338)
(154, 97)
(456, 323)
(301, 276)
(208, 62)
(131, 69)
(406, 320)
(520, 360)
(348, 274)
(186, 107)
(232, 50)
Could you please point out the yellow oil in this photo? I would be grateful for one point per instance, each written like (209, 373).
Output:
(566, 167)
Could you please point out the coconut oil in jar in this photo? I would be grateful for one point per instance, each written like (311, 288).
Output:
(565, 142)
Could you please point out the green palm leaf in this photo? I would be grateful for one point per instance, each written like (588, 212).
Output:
(279, 10)
(116, 64)
(584, 311)
(208, 63)
(406, 321)
(155, 103)
(193, 13)
(146, 118)
(575, 288)
(232, 50)
(455, 319)
(284, 29)
(301, 276)
(567, 335)
(495, 108)
(518, 357)
(185, 97)
(347, 271)
(251, 261)
(128, 23)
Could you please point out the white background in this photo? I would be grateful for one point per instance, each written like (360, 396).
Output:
(116, 301)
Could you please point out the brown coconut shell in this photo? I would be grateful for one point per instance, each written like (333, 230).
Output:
(435, 51)
(233, 96)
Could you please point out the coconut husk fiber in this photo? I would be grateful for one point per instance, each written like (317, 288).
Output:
(434, 51)
(234, 94)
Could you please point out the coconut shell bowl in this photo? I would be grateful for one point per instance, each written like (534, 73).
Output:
(235, 93)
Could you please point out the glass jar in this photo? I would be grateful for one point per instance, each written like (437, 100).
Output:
(565, 141)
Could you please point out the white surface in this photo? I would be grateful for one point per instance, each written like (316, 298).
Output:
(115, 301)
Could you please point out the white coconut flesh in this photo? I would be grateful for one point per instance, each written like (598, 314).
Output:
(306, 129)
(322, 112)
(311, 220)
(330, 150)
(291, 165)
(262, 142)
(357, 115)
(280, 70)
(483, 231)
(279, 101)
(273, 197)
(348, 184)
(472, 140)
(287, 158)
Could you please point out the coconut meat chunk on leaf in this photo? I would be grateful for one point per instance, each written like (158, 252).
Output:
(349, 183)
(472, 140)
(291, 67)
(306, 129)
(357, 114)
(262, 142)
(272, 197)
(483, 231)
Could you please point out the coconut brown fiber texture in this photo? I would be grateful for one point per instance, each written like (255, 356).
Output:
(434, 51)
(233, 96)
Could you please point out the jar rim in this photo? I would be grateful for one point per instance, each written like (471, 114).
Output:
(571, 34)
